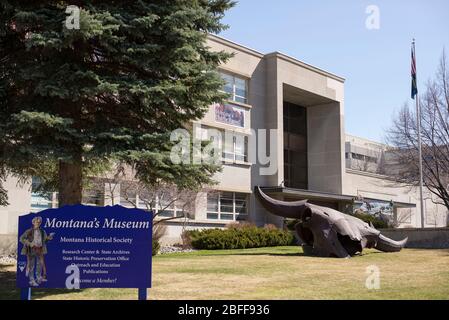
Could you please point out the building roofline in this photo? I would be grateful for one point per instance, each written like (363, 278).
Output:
(313, 194)
(366, 139)
(235, 45)
(300, 63)
(277, 54)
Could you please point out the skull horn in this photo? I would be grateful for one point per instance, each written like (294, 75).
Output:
(286, 209)
(388, 245)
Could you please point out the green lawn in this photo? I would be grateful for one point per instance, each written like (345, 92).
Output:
(275, 273)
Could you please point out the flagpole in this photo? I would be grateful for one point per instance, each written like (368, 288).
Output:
(418, 121)
(418, 112)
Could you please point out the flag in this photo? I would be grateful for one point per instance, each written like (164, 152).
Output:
(414, 86)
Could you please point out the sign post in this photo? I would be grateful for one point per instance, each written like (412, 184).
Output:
(142, 294)
(25, 293)
(76, 247)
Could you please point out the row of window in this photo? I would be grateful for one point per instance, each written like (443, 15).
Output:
(164, 207)
(230, 206)
(236, 87)
(49, 200)
(231, 147)
(220, 206)
(227, 206)
(39, 202)
(361, 157)
(234, 147)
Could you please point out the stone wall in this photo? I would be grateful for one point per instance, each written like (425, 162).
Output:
(430, 238)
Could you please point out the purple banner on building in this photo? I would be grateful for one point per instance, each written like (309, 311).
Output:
(85, 247)
(230, 114)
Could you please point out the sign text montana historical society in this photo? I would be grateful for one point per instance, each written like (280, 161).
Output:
(84, 246)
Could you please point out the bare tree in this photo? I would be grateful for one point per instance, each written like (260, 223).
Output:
(360, 165)
(403, 137)
(165, 201)
(381, 163)
(403, 216)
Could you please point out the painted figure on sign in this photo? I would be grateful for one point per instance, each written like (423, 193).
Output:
(34, 247)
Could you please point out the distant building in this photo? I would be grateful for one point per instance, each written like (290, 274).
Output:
(364, 155)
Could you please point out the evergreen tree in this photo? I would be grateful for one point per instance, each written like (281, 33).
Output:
(3, 192)
(73, 100)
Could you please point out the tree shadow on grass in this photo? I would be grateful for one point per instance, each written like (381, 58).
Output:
(288, 254)
(9, 291)
(279, 254)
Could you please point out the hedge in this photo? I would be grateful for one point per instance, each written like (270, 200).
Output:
(378, 223)
(241, 237)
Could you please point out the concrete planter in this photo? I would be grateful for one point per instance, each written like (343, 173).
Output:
(429, 238)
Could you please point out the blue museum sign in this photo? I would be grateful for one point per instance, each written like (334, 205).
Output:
(80, 246)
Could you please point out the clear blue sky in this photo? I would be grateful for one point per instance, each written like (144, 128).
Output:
(331, 35)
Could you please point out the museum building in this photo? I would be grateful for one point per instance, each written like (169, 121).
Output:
(301, 110)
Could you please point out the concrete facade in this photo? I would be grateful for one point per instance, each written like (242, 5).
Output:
(19, 198)
(272, 80)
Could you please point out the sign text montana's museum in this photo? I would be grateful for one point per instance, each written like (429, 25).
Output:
(85, 246)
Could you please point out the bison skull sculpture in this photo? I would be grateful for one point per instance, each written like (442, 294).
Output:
(329, 232)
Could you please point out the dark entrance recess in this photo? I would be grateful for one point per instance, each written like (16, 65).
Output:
(295, 146)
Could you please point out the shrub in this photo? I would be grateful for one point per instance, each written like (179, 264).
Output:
(186, 240)
(156, 247)
(377, 222)
(290, 224)
(158, 233)
(239, 237)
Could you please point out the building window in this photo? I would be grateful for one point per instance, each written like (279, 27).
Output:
(163, 206)
(93, 197)
(229, 206)
(128, 196)
(362, 157)
(235, 148)
(40, 200)
(166, 208)
(232, 147)
(236, 87)
(213, 204)
(371, 159)
(169, 207)
(358, 156)
(240, 148)
(145, 203)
